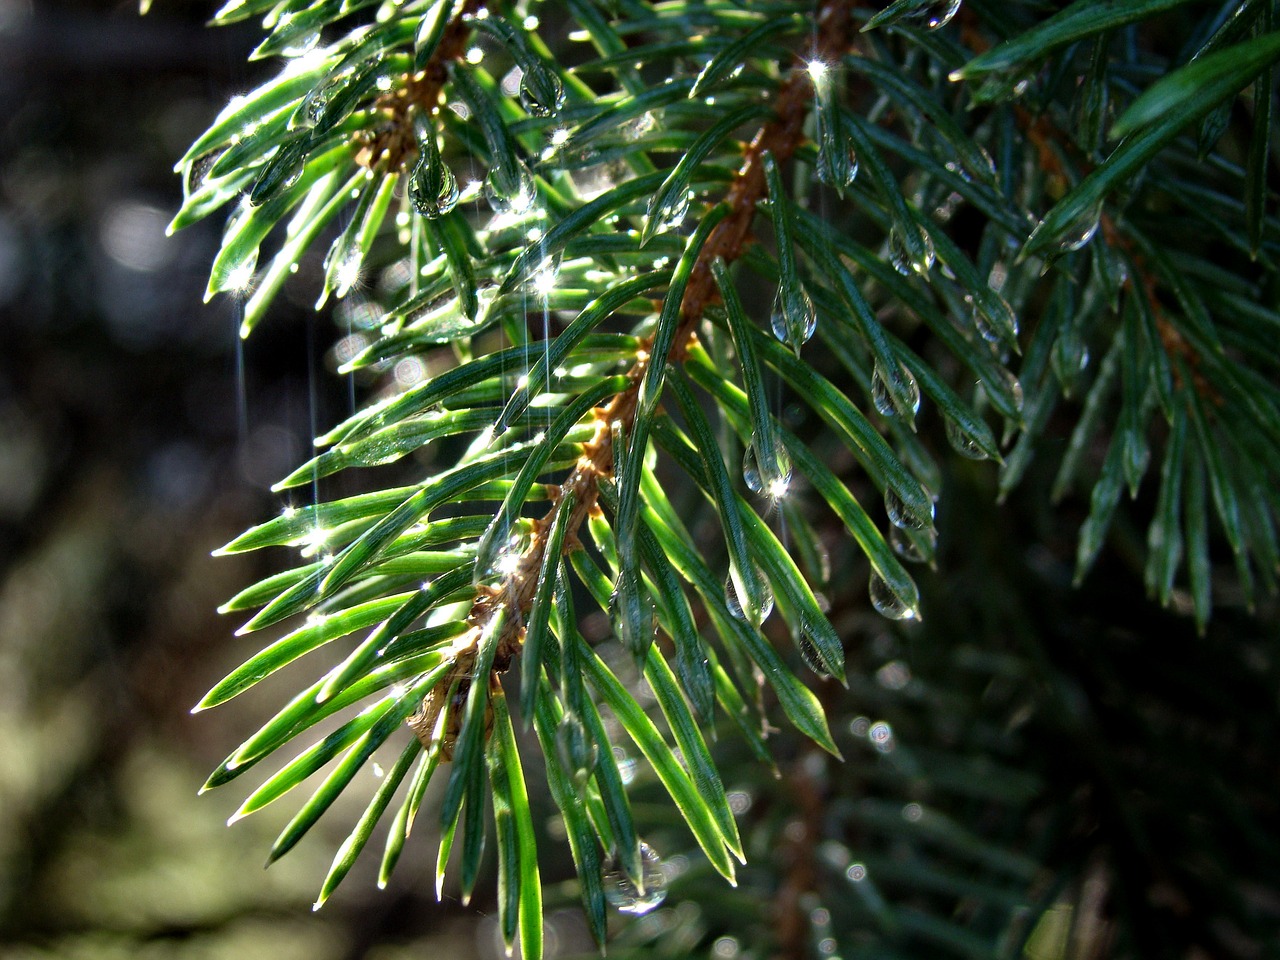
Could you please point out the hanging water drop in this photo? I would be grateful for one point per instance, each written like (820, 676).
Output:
(638, 127)
(1011, 386)
(625, 894)
(751, 470)
(1080, 230)
(769, 473)
(346, 271)
(994, 319)
(907, 258)
(314, 104)
(433, 189)
(890, 403)
(675, 214)
(794, 319)
(632, 612)
(576, 749)
(1136, 459)
(936, 13)
(837, 167)
(888, 603)
(510, 191)
(300, 45)
(809, 652)
(755, 613)
(196, 173)
(1069, 358)
(962, 443)
(541, 92)
(904, 544)
(900, 516)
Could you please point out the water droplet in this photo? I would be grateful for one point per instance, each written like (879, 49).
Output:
(836, 167)
(1002, 85)
(510, 191)
(888, 603)
(911, 258)
(576, 749)
(638, 127)
(1137, 457)
(936, 13)
(629, 897)
(769, 474)
(994, 319)
(794, 319)
(632, 612)
(544, 276)
(433, 189)
(889, 403)
(541, 92)
(197, 172)
(962, 443)
(1011, 386)
(314, 104)
(1070, 358)
(905, 546)
(346, 269)
(856, 872)
(752, 612)
(301, 45)
(900, 516)
(674, 214)
(804, 643)
(1080, 230)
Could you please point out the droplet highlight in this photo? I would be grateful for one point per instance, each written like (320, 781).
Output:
(962, 443)
(738, 600)
(911, 258)
(794, 318)
(767, 474)
(575, 748)
(891, 402)
(809, 651)
(900, 516)
(632, 612)
(887, 603)
(1077, 234)
(625, 895)
(541, 92)
(510, 191)
(936, 13)
(433, 189)
(301, 45)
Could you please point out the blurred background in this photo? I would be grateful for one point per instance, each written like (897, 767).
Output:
(137, 434)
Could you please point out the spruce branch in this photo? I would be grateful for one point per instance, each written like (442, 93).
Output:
(513, 596)
(555, 328)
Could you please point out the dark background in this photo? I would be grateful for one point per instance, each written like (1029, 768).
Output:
(136, 435)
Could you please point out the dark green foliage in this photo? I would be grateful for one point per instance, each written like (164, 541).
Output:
(980, 234)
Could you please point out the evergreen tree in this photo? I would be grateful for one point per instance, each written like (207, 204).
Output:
(590, 256)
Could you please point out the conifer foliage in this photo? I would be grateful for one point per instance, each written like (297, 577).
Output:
(676, 282)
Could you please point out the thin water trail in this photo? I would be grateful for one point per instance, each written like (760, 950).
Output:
(351, 375)
(313, 422)
(546, 346)
(242, 392)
